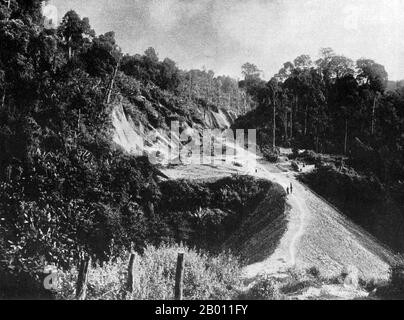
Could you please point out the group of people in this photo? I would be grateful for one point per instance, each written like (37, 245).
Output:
(289, 190)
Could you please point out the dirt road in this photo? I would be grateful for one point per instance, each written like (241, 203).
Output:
(317, 235)
(320, 236)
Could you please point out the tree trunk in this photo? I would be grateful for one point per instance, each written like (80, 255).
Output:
(274, 122)
(286, 126)
(317, 136)
(297, 120)
(306, 114)
(346, 136)
(285, 121)
(373, 116)
(111, 86)
(70, 48)
(291, 122)
(3, 98)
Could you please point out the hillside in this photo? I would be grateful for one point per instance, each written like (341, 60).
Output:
(311, 233)
(86, 170)
(70, 104)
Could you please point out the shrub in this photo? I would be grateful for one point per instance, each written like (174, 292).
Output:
(210, 211)
(397, 277)
(314, 272)
(299, 280)
(265, 288)
(295, 166)
(394, 289)
(270, 154)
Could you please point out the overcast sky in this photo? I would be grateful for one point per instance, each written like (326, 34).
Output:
(223, 34)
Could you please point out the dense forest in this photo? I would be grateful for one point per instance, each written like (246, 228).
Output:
(65, 188)
(327, 104)
(337, 106)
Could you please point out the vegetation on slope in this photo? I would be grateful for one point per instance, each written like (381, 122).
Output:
(206, 276)
(65, 189)
(364, 199)
(326, 106)
(338, 106)
(207, 214)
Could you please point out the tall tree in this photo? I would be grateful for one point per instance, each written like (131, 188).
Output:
(374, 77)
(75, 32)
(250, 71)
(274, 90)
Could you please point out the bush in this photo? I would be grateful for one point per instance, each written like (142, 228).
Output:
(205, 276)
(270, 154)
(265, 288)
(210, 212)
(394, 289)
(295, 166)
(397, 277)
(314, 272)
(364, 199)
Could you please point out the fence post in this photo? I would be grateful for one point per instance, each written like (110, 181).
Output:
(81, 288)
(131, 271)
(179, 277)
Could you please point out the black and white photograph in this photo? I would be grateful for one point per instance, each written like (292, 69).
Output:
(220, 151)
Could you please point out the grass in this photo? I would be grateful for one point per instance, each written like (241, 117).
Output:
(206, 276)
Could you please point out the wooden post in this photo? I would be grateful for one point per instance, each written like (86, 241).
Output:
(179, 277)
(131, 271)
(81, 288)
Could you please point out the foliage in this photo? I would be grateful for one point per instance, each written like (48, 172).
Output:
(337, 106)
(394, 289)
(211, 211)
(270, 287)
(205, 276)
(364, 199)
(326, 105)
(270, 154)
(265, 288)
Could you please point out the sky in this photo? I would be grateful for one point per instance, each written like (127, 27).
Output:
(222, 35)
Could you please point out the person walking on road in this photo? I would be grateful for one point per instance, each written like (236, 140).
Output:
(291, 188)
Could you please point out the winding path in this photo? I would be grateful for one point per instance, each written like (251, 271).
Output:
(299, 233)
(319, 235)
(316, 234)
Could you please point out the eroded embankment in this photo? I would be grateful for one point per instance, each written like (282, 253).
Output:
(320, 236)
(267, 223)
(207, 212)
